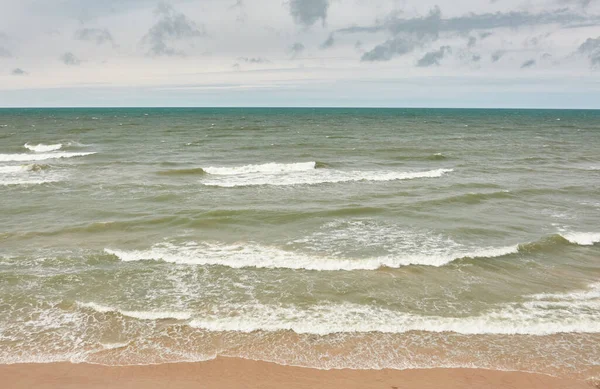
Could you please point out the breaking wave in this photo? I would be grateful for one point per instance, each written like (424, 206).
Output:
(258, 256)
(541, 314)
(40, 156)
(41, 148)
(303, 173)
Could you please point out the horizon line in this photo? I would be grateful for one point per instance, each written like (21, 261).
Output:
(296, 107)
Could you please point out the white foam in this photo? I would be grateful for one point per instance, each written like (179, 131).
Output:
(26, 175)
(13, 169)
(40, 156)
(530, 318)
(582, 238)
(259, 256)
(592, 293)
(42, 148)
(312, 176)
(19, 169)
(142, 315)
(541, 314)
(262, 168)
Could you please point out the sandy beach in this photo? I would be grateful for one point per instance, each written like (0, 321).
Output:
(240, 373)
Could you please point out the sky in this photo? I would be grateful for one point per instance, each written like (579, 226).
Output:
(300, 53)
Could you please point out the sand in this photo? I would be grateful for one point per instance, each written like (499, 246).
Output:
(223, 373)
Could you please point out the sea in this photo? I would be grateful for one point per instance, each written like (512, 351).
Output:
(326, 238)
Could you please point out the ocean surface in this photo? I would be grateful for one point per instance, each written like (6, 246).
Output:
(330, 238)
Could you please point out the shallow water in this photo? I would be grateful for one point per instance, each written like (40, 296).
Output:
(331, 238)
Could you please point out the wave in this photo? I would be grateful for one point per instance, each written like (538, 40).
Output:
(404, 251)
(582, 238)
(142, 315)
(469, 198)
(182, 172)
(41, 148)
(542, 314)
(40, 156)
(26, 175)
(304, 174)
(23, 168)
(270, 168)
(258, 256)
(527, 318)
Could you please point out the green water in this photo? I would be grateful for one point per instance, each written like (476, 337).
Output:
(330, 238)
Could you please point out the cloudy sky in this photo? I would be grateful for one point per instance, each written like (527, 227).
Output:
(425, 53)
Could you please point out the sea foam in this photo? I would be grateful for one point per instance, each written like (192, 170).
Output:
(259, 256)
(542, 314)
(270, 168)
(303, 173)
(40, 156)
(582, 238)
(26, 175)
(41, 148)
(142, 315)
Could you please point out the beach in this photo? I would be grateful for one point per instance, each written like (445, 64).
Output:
(239, 373)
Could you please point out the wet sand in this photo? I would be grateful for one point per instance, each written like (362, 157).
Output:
(226, 373)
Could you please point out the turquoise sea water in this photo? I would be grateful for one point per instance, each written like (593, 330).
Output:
(362, 238)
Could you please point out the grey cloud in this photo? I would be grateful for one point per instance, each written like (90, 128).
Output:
(18, 72)
(388, 50)
(497, 55)
(472, 41)
(4, 52)
(70, 59)
(99, 36)
(581, 3)
(485, 34)
(591, 47)
(528, 64)
(253, 60)
(170, 26)
(296, 49)
(433, 24)
(328, 43)
(423, 30)
(307, 12)
(433, 57)
(476, 58)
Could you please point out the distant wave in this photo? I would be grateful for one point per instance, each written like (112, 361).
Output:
(40, 156)
(541, 314)
(23, 168)
(42, 148)
(263, 168)
(25, 175)
(183, 172)
(303, 173)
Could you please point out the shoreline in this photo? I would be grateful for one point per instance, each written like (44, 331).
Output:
(225, 372)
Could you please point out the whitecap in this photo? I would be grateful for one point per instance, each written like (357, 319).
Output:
(40, 156)
(582, 238)
(42, 148)
(260, 256)
(305, 174)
